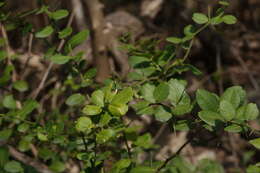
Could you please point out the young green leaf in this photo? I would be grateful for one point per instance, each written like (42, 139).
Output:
(104, 135)
(21, 85)
(76, 40)
(84, 124)
(161, 92)
(229, 19)
(98, 97)
(233, 128)
(59, 14)
(227, 110)
(65, 32)
(207, 101)
(60, 59)
(9, 102)
(174, 40)
(92, 110)
(200, 18)
(45, 32)
(251, 112)
(123, 96)
(118, 109)
(27, 108)
(75, 100)
(57, 166)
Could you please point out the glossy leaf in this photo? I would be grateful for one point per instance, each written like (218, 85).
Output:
(65, 32)
(255, 143)
(123, 96)
(59, 14)
(75, 100)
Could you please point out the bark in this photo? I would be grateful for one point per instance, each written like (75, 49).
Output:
(99, 39)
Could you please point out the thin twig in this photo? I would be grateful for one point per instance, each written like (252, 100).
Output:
(40, 167)
(61, 44)
(127, 146)
(174, 155)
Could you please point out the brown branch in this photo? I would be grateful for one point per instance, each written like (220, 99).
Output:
(40, 167)
(98, 39)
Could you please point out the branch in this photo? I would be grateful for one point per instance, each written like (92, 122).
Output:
(98, 39)
(40, 167)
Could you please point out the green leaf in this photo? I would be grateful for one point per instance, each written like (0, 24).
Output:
(255, 143)
(58, 166)
(45, 32)
(235, 95)
(144, 141)
(121, 164)
(105, 119)
(5, 134)
(146, 111)
(161, 92)
(75, 99)
(233, 128)
(224, 3)
(59, 14)
(21, 85)
(216, 20)
(253, 169)
(227, 110)
(174, 40)
(92, 110)
(184, 106)
(147, 91)
(104, 135)
(176, 90)
(76, 40)
(210, 117)
(118, 109)
(229, 19)
(13, 167)
(134, 61)
(189, 30)
(65, 32)
(60, 59)
(27, 108)
(140, 105)
(97, 98)
(84, 124)
(207, 101)
(9, 102)
(251, 112)
(123, 96)
(142, 169)
(182, 125)
(23, 127)
(42, 137)
(24, 145)
(200, 18)
(162, 114)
